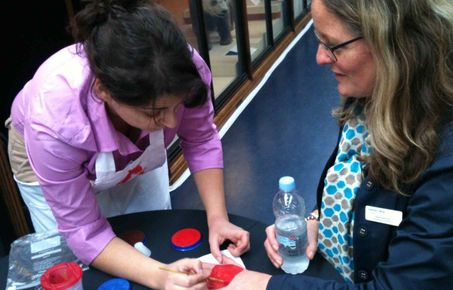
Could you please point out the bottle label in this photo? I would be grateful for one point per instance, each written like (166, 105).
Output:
(291, 246)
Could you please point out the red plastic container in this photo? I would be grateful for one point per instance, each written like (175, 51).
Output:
(63, 276)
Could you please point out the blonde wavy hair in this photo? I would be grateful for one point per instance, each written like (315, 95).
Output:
(412, 45)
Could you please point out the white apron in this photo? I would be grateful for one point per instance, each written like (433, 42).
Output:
(141, 186)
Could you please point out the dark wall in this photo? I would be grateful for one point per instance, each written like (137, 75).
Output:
(37, 29)
(34, 31)
(6, 233)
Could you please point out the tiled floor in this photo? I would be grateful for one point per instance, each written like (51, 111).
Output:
(286, 129)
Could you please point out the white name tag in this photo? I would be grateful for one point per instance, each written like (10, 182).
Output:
(383, 215)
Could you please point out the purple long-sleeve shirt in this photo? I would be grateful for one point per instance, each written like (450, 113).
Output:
(65, 126)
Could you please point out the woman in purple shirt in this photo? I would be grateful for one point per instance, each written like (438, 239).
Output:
(88, 137)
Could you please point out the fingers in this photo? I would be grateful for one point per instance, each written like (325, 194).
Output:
(273, 255)
(175, 286)
(271, 246)
(312, 236)
(186, 274)
(241, 244)
(207, 267)
(271, 238)
(192, 266)
(215, 249)
(222, 231)
(178, 281)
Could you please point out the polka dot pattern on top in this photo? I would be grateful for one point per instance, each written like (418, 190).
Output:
(342, 182)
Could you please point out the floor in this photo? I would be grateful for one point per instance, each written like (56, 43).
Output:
(286, 129)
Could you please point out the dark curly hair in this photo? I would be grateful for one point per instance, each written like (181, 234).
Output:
(137, 52)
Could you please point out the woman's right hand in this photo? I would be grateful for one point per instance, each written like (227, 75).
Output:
(194, 279)
(271, 246)
(271, 243)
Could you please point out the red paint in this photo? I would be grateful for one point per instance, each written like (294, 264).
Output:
(137, 170)
(225, 273)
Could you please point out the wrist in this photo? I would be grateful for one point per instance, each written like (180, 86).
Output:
(216, 218)
(157, 279)
(314, 216)
(218, 213)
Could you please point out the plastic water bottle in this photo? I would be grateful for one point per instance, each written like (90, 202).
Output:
(291, 227)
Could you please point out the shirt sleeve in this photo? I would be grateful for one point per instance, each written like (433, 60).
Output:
(199, 137)
(63, 176)
(299, 282)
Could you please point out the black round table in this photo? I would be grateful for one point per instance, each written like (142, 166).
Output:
(160, 225)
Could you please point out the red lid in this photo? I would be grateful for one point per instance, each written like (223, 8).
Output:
(61, 276)
(186, 239)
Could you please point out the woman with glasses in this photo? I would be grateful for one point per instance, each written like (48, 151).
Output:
(384, 217)
(89, 132)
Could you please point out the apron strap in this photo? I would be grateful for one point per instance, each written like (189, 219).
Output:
(105, 164)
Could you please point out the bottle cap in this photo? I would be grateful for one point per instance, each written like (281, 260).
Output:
(186, 239)
(61, 276)
(287, 183)
(115, 284)
(143, 249)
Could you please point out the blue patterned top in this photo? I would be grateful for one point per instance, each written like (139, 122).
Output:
(341, 184)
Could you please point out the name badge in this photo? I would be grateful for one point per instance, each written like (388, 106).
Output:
(383, 215)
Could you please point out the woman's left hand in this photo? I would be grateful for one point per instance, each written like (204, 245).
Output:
(220, 230)
(195, 279)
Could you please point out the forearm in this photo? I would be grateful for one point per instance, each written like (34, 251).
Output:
(210, 186)
(122, 260)
(249, 280)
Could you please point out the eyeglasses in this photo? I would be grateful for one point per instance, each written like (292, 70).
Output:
(331, 49)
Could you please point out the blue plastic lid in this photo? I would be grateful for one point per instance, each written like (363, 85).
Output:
(115, 284)
(287, 183)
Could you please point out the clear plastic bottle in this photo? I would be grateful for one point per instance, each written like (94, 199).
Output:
(290, 226)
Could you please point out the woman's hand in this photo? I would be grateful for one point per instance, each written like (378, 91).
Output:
(194, 279)
(312, 236)
(244, 279)
(271, 247)
(220, 230)
(271, 244)
(210, 185)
